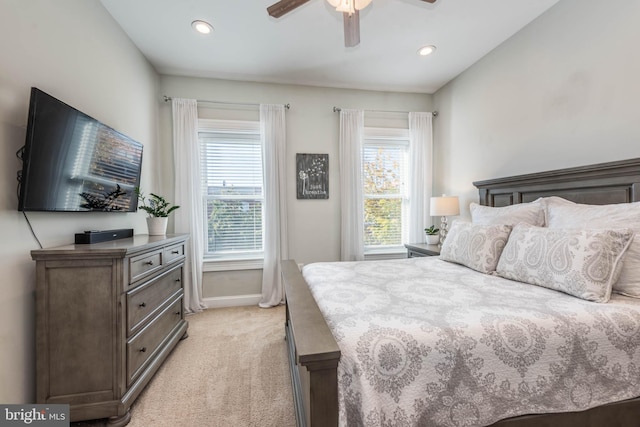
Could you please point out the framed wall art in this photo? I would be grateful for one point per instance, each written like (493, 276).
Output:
(312, 176)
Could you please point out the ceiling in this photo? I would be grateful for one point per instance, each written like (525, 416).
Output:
(306, 46)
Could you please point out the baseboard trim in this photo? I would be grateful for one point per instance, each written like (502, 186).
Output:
(232, 301)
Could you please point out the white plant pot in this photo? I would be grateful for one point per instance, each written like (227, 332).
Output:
(433, 239)
(157, 226)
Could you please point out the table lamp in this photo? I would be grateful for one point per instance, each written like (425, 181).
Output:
(443, 207)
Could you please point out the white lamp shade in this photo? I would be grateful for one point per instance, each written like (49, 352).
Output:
(445, 206)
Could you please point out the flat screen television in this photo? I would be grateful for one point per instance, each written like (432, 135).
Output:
(71, 162)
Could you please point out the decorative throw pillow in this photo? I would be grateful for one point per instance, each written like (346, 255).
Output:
(582, 263)
(474, 245)
(529, 213)
(561, 213)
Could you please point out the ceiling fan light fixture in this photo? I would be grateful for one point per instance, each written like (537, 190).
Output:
(426, 50)
(349, 6)
(202, 27)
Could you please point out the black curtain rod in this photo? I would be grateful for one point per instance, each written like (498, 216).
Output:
(338, 109)
(168, 98)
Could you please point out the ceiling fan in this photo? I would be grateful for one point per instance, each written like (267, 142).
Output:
(350, 12)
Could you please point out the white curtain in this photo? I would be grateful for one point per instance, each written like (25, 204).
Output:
(420, 173)
(189, 218)
(352, 204)
(272, 129)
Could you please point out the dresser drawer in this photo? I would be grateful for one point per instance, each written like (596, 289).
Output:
(414, 254)
(142, 265)
(142, 347)
(144, 301)
(173, 253)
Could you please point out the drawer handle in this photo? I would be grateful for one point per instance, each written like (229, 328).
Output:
(142, 304)
(149, 262)
(143, 350)
(177, 313)
(175, 252)
(178, 280)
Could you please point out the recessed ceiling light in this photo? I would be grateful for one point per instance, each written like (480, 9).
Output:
(426, 50)
(202, 27)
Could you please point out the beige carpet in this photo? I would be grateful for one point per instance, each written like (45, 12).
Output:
(231, 371)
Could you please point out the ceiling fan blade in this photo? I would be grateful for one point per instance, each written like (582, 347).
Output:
(351, 29)
(284, 6)
(430, 1)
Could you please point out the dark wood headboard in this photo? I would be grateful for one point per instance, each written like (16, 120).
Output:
(600, 184)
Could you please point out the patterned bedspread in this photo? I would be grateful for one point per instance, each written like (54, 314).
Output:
(429, 343)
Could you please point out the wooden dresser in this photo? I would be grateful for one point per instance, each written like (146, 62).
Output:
(107, 316)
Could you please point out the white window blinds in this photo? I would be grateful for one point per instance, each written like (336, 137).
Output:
(385, 173)
(232, 185)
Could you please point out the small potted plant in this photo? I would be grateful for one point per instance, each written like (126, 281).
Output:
(158, 209)
(432, 235)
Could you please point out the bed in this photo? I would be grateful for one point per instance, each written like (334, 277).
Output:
(508, 391)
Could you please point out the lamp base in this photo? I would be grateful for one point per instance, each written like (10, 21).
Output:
(444, 228)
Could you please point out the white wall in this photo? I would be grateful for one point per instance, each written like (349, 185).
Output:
(562, 92)
(73, 50)
(312, 127)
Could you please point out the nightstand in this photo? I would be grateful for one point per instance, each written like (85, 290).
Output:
(421, 249)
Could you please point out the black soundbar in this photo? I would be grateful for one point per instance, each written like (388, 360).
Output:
(103, 236)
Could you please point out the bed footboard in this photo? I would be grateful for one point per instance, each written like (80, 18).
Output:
(313, 353)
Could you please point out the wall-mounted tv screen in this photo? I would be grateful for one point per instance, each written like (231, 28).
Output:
(74, 163)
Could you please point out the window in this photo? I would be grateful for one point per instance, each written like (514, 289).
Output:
(231, 159)
(385, 177)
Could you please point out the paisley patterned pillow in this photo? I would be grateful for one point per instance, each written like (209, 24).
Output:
(530, 213)
(582, 263)
(474, 245)
(561, 213)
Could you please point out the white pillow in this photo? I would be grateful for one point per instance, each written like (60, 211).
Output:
(529, 213)
(555, 201)
(582, 263)
(561, 213)
(474, 245)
